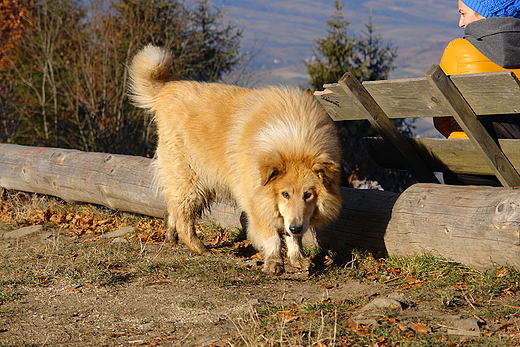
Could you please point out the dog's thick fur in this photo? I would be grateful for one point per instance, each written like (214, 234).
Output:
(274, 151)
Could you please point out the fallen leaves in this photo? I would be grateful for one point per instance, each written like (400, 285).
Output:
(74, 223)
(421, 328)
(244, 249)
(6, 215)
(288, 316)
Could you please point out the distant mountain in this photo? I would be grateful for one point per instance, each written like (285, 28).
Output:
(287, 30)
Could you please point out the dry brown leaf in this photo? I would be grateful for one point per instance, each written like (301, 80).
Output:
(402, 327)
(421, 328)
(502, 272)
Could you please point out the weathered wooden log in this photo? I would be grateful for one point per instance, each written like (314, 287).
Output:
(475, 225)
(120, 182)
(478, 226)
(117, 181)
(125, 183)
(362, 223)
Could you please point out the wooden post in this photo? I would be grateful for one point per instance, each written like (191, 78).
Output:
(384, 126)
(468, 121)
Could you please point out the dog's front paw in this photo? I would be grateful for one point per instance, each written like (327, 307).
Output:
(304, 264)
(274, 267)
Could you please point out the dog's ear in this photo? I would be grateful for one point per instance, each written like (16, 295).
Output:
(270, 166)
(327, 171)
(268, 174)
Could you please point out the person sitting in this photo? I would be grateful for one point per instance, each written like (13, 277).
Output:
(491, 43)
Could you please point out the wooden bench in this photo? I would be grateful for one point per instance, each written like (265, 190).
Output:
(463, 97)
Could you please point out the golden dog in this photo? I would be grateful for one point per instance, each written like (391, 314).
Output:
(274, 151)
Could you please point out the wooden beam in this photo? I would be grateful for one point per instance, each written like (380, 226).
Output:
(406, 98)
(384, 126)
(120, 182)
(468, 121)
(459, 156)
(490, 93)
(125, 183)
(339, 104)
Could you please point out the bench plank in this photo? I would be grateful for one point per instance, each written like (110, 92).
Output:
(491, 93)
(384, 126)
(339, 104)
(487, 94)
(407, 98)
(458, 156)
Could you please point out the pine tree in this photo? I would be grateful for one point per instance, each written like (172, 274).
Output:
(333, 54)
(375, 59)
(367, 57)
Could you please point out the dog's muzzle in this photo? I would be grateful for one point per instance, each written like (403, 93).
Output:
(296, 229)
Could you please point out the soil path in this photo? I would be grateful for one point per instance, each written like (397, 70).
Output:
(143, 310)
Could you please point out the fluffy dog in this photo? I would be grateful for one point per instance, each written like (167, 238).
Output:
(274, 151)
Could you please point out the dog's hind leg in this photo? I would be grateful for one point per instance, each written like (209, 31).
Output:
(186, 229)
(170, 224)
(295, 253)
(181, 217)
(180, 223)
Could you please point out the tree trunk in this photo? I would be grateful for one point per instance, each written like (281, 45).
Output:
(117, 181)
(475, 225)
(478, 226)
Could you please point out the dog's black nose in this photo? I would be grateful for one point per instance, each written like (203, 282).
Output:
(296, 229)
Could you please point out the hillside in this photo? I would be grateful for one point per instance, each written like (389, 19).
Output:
(287, 30)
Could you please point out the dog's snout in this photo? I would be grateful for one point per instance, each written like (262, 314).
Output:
(296, 229)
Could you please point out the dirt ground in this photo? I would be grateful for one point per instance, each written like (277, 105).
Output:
(158, 296)
(146, 310)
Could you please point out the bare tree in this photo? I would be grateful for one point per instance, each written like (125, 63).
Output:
(14, 18)
(71, 74)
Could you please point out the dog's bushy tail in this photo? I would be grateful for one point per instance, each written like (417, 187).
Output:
(148, 73)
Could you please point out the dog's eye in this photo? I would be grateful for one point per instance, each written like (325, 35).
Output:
(286, 195)
(307, 196)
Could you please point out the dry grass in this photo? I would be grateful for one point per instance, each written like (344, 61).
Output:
(433, 287)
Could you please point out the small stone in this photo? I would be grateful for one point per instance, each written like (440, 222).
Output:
(397, 296)
(119, 240)
(383, 303)
(467, 324)
(465, 327)
(18, 233)
(118, 233)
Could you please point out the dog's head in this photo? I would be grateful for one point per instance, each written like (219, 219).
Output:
(306, 193)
